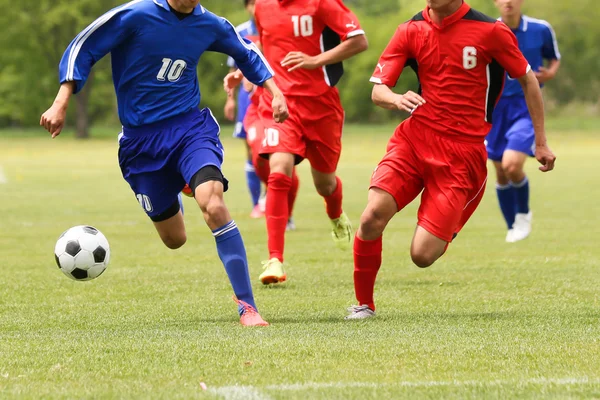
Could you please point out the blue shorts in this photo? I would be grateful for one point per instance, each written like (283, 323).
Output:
(158, 159)
(512, 129)
(243, 104)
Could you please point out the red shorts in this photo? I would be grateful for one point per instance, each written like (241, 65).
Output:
(255, 133)
(451, 175)
(313, 130)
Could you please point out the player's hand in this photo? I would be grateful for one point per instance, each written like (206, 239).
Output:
(230, 108)
(545, 157)
(297, 59)
(544, 75)
(280, 110)
(53, 120)
(409, 101)
(232, 80)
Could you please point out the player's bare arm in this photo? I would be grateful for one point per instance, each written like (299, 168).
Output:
(280, 110)
(53, 120)
(545, 74)
(345, 50)
(230, 103)
(384, 97)
(535, 104)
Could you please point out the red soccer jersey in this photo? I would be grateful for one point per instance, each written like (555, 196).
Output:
(311, 27)
(460, 67)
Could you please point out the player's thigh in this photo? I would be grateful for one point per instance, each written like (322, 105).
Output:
(172, 229)
(426, 247)
(208, 185)
(453, 189)
(399, 173)
(286, 137)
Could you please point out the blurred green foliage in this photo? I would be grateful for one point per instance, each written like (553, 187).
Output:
(35, 33)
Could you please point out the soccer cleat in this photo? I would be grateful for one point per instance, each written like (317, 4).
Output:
(262, 203)
(509, 236)
(359, 312)
(187, 191)
(248, 314)
(291, 226)
(521, 227)
(273, 272)
(257, 212)
(342, 231)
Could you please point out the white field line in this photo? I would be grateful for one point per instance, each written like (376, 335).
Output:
(254, 393)
(2, 176)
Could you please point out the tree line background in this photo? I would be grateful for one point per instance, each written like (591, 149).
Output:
(35, 33)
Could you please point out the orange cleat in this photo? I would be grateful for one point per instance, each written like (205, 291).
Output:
(257, 212)
(187, 191)
(248, 314)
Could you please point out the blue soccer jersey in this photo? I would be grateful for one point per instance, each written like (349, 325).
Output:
(537, 42)
(155, 56)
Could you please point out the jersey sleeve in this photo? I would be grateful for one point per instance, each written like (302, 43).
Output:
(550, 47)
(93, 43)
(339, 19)
(504, 48)
(393, 60)
(246, 55)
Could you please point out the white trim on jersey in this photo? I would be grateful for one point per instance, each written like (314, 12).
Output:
(547, 25)
(253, 48)
(376, 80)
(87, 32)
(355, 33)
(324, 66)
(487, 92)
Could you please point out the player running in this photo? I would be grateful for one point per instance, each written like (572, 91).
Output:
(166, 141)
(511, 138)
(301, 39)
(245, 30)
(460, 56)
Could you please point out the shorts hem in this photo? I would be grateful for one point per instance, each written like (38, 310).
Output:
(388, 191)
(434, 231)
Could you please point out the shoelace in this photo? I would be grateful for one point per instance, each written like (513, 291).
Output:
(265, 264)
(357, 309)
(247, 308)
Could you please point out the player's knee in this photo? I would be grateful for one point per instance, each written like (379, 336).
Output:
(214, 207)
(326, 188)
(513, 171)
(423, 259)
(174, 242)
(372, 224)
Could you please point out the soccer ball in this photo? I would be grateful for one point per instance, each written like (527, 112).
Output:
(82, 253)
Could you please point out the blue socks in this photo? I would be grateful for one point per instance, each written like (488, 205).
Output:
(233, 255)
(513, 199)
(253, 182)
(521, 190)
(507, 200)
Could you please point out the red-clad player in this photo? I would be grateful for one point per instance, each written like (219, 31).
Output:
(254, 137)
(305, 41)
(460, 57)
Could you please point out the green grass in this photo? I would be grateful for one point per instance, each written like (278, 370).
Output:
(488, 320)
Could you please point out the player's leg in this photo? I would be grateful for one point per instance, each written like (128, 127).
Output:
(292, 195)
(254, 183)
(496, 145)
(324, 125)
(520, 145)
(199, 163)
(240, 132)
(170, 226)
(394, 184)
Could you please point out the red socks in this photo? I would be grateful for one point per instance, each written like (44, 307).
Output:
(367, 260)
(333, 202)
(277, 213)
(293, 192)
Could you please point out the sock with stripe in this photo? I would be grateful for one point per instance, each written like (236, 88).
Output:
(507, 200)
(253, 182)
(333, 202)
(277, 213)
(521, 193)
(232, 253)
(367, 261)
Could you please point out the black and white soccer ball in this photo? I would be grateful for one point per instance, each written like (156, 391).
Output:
(82, 253)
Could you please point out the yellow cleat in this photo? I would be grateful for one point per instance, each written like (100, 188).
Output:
(342, 232)
(273, 272)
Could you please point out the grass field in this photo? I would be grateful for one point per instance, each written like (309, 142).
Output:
(489, 320)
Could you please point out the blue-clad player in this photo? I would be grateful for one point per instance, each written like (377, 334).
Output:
(166, 140)
(511, 138)
(245, 30)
